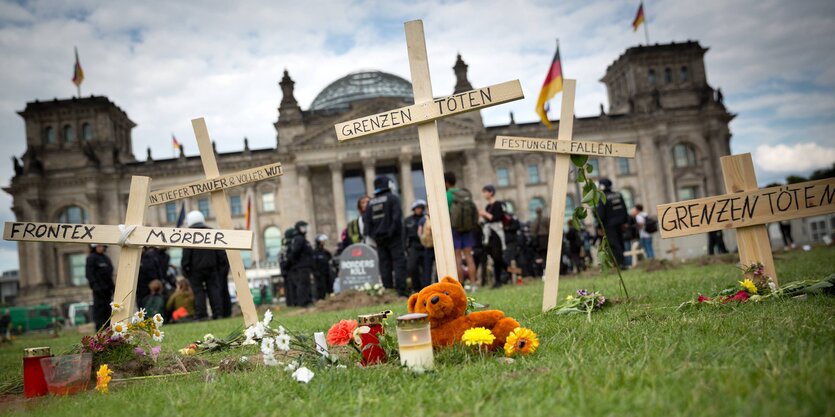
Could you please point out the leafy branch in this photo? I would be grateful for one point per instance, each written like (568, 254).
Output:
(593, 196)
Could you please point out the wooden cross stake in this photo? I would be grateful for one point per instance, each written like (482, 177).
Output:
(424, 113)
(747, 209)
(634, 251)
(132, 236)
(514, 272)
(563, 147)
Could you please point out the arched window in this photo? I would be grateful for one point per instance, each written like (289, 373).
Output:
(651, 77)
(683, 75)
(533, 174)
(684, 155)
(73, 214)
(668, 76)
(536, 202)
(87, 131)
(69, 135)
(272, 243)
(628, 198)
(50, 135)
(502, 176)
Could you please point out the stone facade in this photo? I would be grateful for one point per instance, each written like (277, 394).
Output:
(78, 162)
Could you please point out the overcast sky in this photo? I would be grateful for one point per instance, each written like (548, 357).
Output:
(167, 62)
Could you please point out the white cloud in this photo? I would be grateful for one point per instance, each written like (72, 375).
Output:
(797, 158)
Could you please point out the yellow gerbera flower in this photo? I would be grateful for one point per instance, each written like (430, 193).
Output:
(749, 286)
(478, 336)
(103, 378)
(521, 340)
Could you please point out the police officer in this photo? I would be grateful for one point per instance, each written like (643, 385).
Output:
(322, 268)
(207, 270)
(383, 221)
(614, 218)
(99, 273)
(300, 256)
(414, 249)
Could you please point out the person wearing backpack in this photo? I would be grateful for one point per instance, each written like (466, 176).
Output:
(614, 219)
(646, 227)
(383, 220)
(463, 214)
(425, 233)
(493, 236)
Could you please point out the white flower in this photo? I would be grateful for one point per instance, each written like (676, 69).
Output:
(158, 320)
(772, 286)
(248, 341)
(244, 359)
(291, 366)
(119, 328)
(134, 320)
(267, 346)
(208, 337)
(116, 307)
(303, 375)
(140, 315)
(259, 330)
(360, 331)
(282, 342)
(282, 330)
(270, 361)
(340, 366)
(268, 317)
(158, 335)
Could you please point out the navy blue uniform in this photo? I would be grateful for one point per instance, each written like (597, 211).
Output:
(99, 273)
(383, 220)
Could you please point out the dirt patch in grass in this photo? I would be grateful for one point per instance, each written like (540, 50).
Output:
(355, 299)
(653, 265)
(726, 258)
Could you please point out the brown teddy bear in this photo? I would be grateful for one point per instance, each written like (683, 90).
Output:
(445, 302)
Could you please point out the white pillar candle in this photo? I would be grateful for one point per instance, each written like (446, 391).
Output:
(415, 341)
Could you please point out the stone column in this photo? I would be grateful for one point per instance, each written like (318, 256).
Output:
(521, 195)
(368, 167)
(338, 186)
(548, 172)
(407, 189)
(303, 173)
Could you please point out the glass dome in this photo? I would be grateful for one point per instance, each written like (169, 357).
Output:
(359, 86)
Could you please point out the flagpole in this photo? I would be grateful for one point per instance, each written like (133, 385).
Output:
(646, 24)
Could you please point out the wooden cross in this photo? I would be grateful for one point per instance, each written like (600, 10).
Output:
(564, 146)
(673, 250)
(216, 185)
(514, 272)
(131, 236)
(424, 113)
(747, 209)
(634, 251)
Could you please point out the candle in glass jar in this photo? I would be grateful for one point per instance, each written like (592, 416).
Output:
(34, 383)
(415, 341)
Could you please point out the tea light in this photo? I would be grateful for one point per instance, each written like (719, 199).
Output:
(415, 341)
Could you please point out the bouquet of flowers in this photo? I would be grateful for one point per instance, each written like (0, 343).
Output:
(141, 336)
(761, 288)
(375, 290)
(583, 302)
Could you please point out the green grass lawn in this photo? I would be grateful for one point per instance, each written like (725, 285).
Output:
(638, 358)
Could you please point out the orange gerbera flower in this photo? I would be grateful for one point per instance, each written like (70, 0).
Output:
(521, 340)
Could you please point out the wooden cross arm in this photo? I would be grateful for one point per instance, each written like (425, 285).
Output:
(218, 183)
(141, 235)
(430, 110)
(576, 147)
(766, 205)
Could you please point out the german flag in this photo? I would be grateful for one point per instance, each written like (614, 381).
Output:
(550, 88)
(248, 211)
(639, 18)
(175, 143)
(78, 73)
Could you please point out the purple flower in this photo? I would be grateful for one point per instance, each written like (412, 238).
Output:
(139, 351)
(155, 352)
(582, 292)
(600, 301)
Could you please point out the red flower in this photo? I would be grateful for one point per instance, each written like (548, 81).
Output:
(341, 333)
(702, 298)
(741, 296)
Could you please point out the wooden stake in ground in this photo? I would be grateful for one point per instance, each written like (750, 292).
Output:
(563, 147)
(747, 209)
(634, 251)
(131, 236)
(673, 250)
(220, 206)
(423, 113)
(514, 272)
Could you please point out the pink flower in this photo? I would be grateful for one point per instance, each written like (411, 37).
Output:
(155, 352)
(341, 333)
(139, 351)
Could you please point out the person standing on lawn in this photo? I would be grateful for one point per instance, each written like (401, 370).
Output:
(414, 249)
(99, 273)
(300, 259)
(614, 219)
(206, 270)
(493, 236)
(644, 233)
(463, 215)
(354, 230)
(383, 221)
(322, 268)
